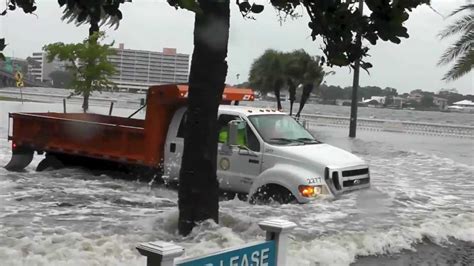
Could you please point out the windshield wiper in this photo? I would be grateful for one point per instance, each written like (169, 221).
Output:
(287, 140)
(282, 139)
(308, 140)
(292, 141)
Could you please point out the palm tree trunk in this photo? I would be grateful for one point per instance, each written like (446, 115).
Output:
(198, 186)
(292, 92)
(307, 89)
(92, 29)
(277, 88)
(277, 96)
(85, 103)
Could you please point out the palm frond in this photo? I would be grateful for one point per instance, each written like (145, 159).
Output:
(463, 24)
(461, 46)
(462, 8)
(72, 14)
(463, 65)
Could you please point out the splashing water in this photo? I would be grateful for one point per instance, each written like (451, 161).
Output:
(421, 198)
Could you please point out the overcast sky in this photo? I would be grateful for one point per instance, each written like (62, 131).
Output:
(153, 24)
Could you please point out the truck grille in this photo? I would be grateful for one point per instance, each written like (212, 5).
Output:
(356, 182)
(355, 172)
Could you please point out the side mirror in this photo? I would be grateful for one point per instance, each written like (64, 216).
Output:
(234, 127)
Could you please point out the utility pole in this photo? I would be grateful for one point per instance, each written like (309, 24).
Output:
(355, 84)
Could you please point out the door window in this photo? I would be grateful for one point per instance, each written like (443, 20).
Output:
(223, 126)
(252, 141)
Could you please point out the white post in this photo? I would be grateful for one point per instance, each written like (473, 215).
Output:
(160, 253)
(277, 230)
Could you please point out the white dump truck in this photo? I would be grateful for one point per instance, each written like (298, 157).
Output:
(262, 152)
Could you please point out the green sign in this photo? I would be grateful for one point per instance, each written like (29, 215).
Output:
(262, 254)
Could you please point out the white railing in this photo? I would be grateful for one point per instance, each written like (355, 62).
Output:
(408, 127)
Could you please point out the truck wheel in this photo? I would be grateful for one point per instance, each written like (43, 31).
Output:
(21, 158)
(272, 193)
(243, 196)
(49, 162)
(226, 195)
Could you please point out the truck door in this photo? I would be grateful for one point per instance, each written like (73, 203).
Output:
(174, 146)
(237, 167)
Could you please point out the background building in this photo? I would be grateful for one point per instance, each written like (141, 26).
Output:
(40, 69)
(137, 69)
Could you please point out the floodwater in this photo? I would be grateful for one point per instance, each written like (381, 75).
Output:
(419, 209)
(132, 100)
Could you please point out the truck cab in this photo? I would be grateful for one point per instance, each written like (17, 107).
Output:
(272, 156)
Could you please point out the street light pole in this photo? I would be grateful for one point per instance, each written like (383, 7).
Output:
(355, 84)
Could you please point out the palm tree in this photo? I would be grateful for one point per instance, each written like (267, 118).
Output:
(313, 76)
(94, 13)
(275, 70)
(295, 68)
(268, 73)
(462, 51)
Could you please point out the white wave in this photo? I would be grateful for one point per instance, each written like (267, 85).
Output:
(71, 249)
(343, 248)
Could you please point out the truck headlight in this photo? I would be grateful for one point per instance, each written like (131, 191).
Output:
(310, 191)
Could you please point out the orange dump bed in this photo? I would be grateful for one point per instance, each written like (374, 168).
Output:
(112, 138)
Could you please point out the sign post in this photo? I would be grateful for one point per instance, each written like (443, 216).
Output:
(264, 253)
(160, 253)
(277, 230)
(19, 83)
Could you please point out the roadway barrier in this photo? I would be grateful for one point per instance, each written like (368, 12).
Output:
(408, 127)
(270, 252)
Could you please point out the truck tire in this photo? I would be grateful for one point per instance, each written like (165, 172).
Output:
(49, 162)
(21, 158)
(226, 195)
(272, 193)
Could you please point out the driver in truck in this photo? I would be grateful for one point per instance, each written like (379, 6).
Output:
(224, 131)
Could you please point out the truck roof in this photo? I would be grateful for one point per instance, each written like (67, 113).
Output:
(248, 110)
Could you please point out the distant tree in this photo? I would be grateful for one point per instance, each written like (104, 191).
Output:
(388, 100)
(388, 91)
(462, 51)
(295, 67)
(452, 97)
(2, 46)
(330, 93)
(313, 75)
(61, 79)
(427, 101)
(87, 62)
(267, 73)
(275, 70)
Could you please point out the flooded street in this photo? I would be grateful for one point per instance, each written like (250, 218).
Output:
(419, 209)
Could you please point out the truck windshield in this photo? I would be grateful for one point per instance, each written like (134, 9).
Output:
(281, 130)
